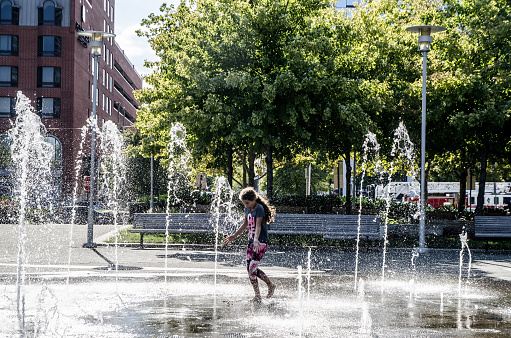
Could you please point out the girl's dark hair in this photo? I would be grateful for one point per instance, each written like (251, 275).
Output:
(249, 194)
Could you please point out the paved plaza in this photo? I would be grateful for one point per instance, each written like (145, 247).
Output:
(193, 291)
(59, 247)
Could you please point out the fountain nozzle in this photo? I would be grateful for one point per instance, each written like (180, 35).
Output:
(90, 245)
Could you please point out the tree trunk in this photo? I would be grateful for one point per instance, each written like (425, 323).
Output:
(269, 172)
(347, 177)
(463, 190)
(230, 169)
(245, 170)
(426, 174)
(251, 169)
(482, 182)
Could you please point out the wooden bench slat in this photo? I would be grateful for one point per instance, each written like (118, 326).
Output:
(492, 226)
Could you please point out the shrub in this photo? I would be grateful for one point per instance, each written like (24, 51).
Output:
(8, 210)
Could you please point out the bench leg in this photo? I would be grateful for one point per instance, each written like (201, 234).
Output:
(141, 240)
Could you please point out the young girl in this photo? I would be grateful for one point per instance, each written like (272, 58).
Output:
(258, 214)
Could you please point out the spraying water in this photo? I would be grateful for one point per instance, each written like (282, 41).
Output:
(370, 146)
(178, 175)
(77, 173)
(31, 156)
(309, 273)
(113, 170)
(222, 209)
(404, 156)
(300, 297)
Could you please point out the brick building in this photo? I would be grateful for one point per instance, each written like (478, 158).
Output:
(42, 56)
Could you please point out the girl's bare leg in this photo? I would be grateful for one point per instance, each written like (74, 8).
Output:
(257, 297)
(271, 286)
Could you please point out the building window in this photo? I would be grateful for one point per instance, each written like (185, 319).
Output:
(9, 14)
(49, 45)
(48, 107)
(7, 105)
(48, 77)
(8, 76)
(9, 45)
(49, 14)
(57, 150)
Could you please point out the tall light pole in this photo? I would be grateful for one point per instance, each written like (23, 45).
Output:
(96, 43)
(425, 39)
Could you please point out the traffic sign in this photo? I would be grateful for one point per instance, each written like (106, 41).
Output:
(86, 183)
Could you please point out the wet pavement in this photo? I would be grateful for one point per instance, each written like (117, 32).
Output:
(190, 290)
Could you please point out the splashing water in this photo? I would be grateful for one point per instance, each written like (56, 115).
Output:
(224, 216)
(365, 320)
(464, 244)
(361, 290)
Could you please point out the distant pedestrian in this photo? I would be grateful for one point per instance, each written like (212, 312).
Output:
(258, 214)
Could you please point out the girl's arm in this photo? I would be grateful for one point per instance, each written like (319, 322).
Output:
(229, 239)
(259, 221)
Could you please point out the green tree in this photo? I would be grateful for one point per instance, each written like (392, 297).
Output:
(242, 76)
(138, 177)
(471, 114)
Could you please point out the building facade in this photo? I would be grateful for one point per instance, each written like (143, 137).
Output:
(42, 56)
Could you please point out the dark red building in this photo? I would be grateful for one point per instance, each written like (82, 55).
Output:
(42, 56)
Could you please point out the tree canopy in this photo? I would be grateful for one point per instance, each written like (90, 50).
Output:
(278, 79)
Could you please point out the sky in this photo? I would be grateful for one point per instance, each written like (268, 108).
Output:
(128, 16)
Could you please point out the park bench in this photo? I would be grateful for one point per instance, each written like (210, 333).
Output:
(487, 227)
(333, 227)
(179, 223)
(297, 224)
(339, 227)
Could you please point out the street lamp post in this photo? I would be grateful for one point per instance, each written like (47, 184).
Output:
(96, 43)
(151, 204)
(425, 39)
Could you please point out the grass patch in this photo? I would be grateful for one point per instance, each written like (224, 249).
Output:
(313, 240)
(126, 237)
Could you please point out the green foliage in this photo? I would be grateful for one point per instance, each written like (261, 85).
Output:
(290, 179)
(494, 211)
(202, 198)
(8, 210)
(298, 77)
(310, 201)
(138, 177)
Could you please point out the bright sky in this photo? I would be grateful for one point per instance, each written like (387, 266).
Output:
(128, 16)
